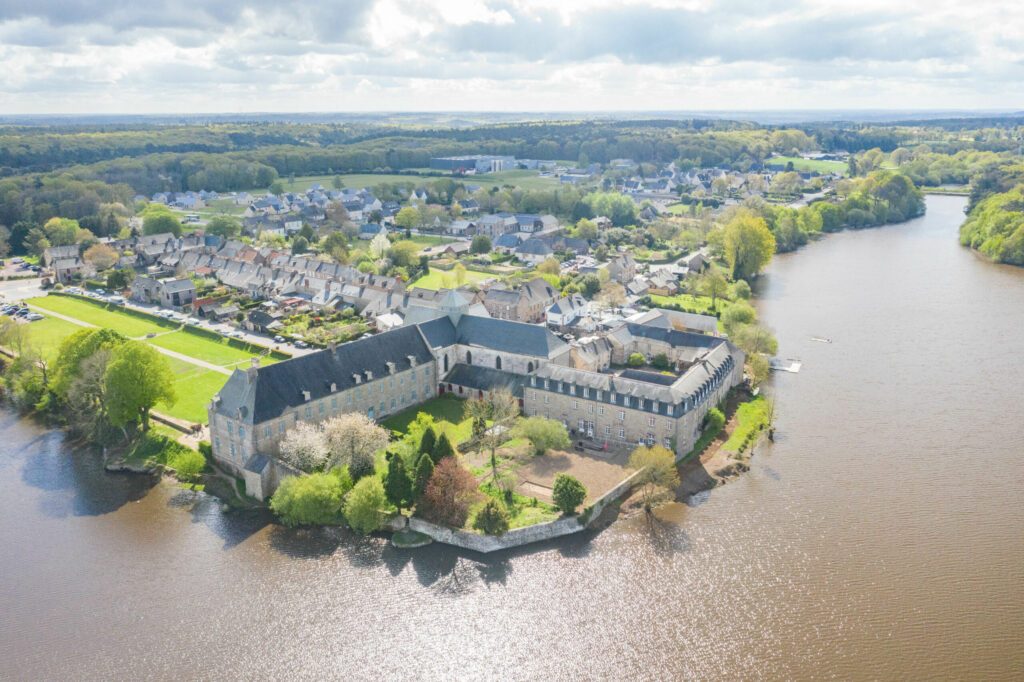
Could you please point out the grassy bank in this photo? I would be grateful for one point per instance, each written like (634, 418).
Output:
(751, 418)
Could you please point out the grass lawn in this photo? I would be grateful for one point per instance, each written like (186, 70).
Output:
(702, 304)
(811, 165)
(423, 240)
(101, 315)
(436, 279)
(204, 348)
(352, 180)
(751, 417)
(442, 409)
(679, 209)
(46, 335)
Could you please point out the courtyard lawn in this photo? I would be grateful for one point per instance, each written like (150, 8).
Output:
(46, 335)
(448, 410)
(701, 304)
(440, 279)
(102, 315)
(810, 165)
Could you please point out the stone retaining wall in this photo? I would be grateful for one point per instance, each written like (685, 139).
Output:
(519, 536)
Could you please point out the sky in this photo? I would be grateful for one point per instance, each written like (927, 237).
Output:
(232, 56)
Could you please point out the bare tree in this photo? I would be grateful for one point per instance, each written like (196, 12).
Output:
(500, 409)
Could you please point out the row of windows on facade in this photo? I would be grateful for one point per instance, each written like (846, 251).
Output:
(587, 427)
(599, 410)
(641, 403)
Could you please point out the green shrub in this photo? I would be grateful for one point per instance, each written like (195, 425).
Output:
(312, 499)
(364, 504)
(492, 518)
(187, 464)
(714, 421)
(636, 360)
(205, 449)
(568, 493)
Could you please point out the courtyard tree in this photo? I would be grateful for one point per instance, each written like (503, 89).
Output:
(427, 441)
(714, 285)
(408, 218)
(305, 447)
(364, 505)
(225, 226)
(443, 448)
(568, 493)
(311, 499)
(481, 244)
(492, 518)
(424, 470)
(500, 408)
(158, 219)
(449, 495)
(658, 476)
(748, 244)
(100, 256)
(397, 484)
(544, 434)
(636, 360)
(352, 439)
(136, 379)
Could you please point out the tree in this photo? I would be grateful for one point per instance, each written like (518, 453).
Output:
(407, 218)
(403, 253)
(754, 339)
(612, 295)
(62, 231)
(758, 368)
(310, 499)
(364, 504)
(481, 244)
(337, 182)
(586, 229)
(397, 484)
(305, 447)
(544, 434)
(449, 494)
(492, 518)
(335, 244)
(424, 470)
(636, 360)
(568, 493)
(379, 245)
(225, 226)
(120, 279)
(443, 448)
(460, 274)
(158, 219)
(187, 463)
(550, 266)
(714, 284)
(739, 313)
(300, 245)
(74, 351)
(353, 437)
(740, 289)
(85, 397)
(501, 409)
(100, 256)
(276, 187)
(137, 378)
(748, 244)
(658, 475)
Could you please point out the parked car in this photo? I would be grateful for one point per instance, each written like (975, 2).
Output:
(32, 317)
(279, 339)
(301, 344)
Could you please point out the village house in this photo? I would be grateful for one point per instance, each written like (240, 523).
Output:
(174, 293)
(528, 303)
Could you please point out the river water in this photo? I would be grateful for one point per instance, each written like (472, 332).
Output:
(881, 537)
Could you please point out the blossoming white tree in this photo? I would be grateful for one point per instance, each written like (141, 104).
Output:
(305, 447)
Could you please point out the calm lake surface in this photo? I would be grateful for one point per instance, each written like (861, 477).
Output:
(881, 537)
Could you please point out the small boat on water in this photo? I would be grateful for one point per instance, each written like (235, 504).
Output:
(792, 365)
(821, 339)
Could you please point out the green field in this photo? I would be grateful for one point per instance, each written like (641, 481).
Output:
(702, 304)
(101, 315)
(446, 411)
(352, 180)
(527, 179)
(194, 385)
(751, 417)
(811, 165)
(436, 279)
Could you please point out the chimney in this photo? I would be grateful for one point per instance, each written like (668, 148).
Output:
(369, 375)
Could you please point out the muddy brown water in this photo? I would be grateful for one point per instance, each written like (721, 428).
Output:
(881, 537)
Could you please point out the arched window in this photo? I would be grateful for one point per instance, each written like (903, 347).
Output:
(446, 363)
(529, 367)
(497, 362)
(469, 357)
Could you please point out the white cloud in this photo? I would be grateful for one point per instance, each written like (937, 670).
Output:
(523, 55)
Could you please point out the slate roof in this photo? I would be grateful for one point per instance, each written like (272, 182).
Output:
(485, 379)
(508, 336)
(268, 392)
